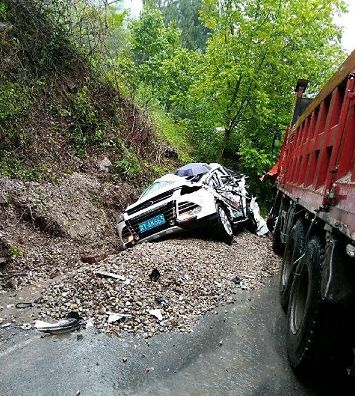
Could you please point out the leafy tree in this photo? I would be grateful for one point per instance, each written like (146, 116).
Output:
(184, 14)
(152, 46)
(257, 51)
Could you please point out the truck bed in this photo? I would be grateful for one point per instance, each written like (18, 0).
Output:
(317, 160)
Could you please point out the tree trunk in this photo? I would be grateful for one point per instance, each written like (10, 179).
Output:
(223, 146)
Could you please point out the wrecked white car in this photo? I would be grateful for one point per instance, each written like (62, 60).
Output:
(198, 195)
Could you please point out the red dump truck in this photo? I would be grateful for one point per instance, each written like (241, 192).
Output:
(313, 223)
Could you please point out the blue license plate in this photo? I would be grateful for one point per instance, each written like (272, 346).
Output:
(151, 223)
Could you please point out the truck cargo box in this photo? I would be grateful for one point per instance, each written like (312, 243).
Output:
(316, 164)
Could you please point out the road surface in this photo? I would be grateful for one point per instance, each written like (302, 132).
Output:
(237, 350)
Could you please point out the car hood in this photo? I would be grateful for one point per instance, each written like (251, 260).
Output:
(176, 182)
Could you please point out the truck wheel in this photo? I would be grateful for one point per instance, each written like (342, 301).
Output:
(277, 245)
(293, 249)
(314, 337)
(224, 226)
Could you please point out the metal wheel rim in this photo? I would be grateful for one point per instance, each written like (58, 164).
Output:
(299, 301)
(287, 265)
(225, 221)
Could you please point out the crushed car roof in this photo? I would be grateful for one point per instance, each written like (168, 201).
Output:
(193, 169)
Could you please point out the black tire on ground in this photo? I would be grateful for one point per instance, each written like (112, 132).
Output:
(293, 249)
(315, 336)
(277, 246)
(224, 229)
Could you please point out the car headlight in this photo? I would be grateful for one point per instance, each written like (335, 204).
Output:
(186, 214)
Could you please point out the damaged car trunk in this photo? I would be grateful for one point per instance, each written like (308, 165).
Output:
(198, 195)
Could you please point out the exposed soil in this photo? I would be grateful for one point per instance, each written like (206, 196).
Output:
(48, 229)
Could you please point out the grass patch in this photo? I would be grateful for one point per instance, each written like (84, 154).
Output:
(12, 167)
(175, 134)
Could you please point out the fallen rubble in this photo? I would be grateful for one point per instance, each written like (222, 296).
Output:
(119, 295)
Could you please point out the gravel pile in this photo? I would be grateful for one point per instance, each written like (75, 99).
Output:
(195, 276)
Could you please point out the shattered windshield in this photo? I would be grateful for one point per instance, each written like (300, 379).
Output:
(158, 185)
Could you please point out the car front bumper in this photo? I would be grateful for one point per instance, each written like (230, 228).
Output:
(178, 227)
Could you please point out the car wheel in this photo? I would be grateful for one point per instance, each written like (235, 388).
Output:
(224, 225)
(316, 338)
(293, 249)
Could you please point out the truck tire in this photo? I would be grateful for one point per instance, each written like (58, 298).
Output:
(314, 336)
(277, 245)
(293, 249)
(224, 229)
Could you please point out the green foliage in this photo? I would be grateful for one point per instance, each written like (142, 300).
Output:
(184, 14)
(14, 100)
(229, 102)
(86, 124)
(216, 77)
(13, 167)
(2, 10)
(15, 251)
(176, 133)
(129, 166)
(152, 44)
(257, 50)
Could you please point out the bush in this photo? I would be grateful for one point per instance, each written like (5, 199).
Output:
(129, 166)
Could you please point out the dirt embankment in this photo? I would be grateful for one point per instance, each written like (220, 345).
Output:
(47, 229)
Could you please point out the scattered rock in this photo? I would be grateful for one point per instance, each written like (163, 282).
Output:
(195, 277)
(236, 280)
(93, 258)
(23, 305)
(116, 317)
(104, 165)
(4, 260)
(156, 313)
(154, 275)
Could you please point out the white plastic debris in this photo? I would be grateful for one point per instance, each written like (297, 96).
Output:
(110, 275)
(26, 326)
(260, 222)
(116, 317)
(157, 313)
(72, 322)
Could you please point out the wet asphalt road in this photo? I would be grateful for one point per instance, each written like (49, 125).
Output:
(239, 350)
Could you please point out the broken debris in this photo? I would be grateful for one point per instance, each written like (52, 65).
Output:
(157, 313)
(110, 275)
(72, 322)
(236, 280)
(161, 300)
(23, 305)
(93, 258)
(210, 266)
(116, 317)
